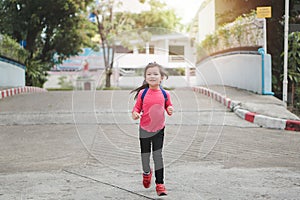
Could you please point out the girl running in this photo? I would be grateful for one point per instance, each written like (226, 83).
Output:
(151, 104)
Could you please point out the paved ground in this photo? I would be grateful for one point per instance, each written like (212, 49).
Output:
(263, 104)
(84, 145)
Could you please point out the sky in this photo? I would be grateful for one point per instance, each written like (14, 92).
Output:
(186, 9)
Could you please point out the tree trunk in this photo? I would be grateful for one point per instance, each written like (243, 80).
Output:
(293, 95)
(108, 73)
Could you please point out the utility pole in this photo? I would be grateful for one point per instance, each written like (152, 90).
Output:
(286, 42)
(265, 34)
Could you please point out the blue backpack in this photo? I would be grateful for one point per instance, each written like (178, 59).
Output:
(162, 90)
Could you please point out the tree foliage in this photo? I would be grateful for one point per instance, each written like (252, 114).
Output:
(112, 24)
(10, 49)
(48, 27)
(293, 70)
(294, 57)
(158, 16)
(276, 25)
(295, 13)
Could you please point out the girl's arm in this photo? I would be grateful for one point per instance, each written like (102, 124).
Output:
(169, 106)
(137, 107)
(170, 110)
(136, 115)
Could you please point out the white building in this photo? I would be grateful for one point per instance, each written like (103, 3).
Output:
(172, 51)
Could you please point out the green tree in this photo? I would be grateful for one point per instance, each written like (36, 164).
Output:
(275, 40)
(112, 24)
(294, 13)
(158, 16)
(49, 27)
(107, 28)
(294, 68)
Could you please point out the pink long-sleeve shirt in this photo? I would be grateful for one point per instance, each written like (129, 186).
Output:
(153, 109)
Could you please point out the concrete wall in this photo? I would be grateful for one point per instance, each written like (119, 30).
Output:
(237, 70)
(11, 74)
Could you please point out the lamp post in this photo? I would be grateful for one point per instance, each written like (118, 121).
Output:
(286, 40)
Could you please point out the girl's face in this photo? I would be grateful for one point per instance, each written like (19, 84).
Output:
(153, 77)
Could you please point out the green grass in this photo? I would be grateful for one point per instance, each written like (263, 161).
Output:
(60, 89)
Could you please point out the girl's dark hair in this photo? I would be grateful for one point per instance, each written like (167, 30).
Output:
(162, 72)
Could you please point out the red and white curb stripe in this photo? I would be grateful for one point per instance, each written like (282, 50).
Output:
(217, 96)
(13, 91)
(261, 120)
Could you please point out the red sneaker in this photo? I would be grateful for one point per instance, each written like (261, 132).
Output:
(161, 190)
(147, 179)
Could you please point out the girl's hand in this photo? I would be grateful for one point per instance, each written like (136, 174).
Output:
(170, 110)
(136, 115)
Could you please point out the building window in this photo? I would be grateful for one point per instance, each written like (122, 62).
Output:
(151, 49)
(176, 53)
(122, 49)
(176, 50)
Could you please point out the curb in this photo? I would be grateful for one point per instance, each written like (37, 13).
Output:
(256, 118)
(13, 91)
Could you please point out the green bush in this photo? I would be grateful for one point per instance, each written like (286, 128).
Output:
(64, 84)
(294, 71)
(9, 48)
(243, 32)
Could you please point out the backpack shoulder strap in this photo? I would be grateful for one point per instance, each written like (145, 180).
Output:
(165, 95)
(162, 90)
(144, 93)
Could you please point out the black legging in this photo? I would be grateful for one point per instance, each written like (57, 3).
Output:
(157, 140)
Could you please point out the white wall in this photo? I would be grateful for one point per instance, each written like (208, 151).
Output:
(206, 21)
(161, 54)
(161, 47)
(138, 60)
(11, 75)
(171, 82)
(237, 70)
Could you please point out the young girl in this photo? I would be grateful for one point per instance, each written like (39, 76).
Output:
(152, 101)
